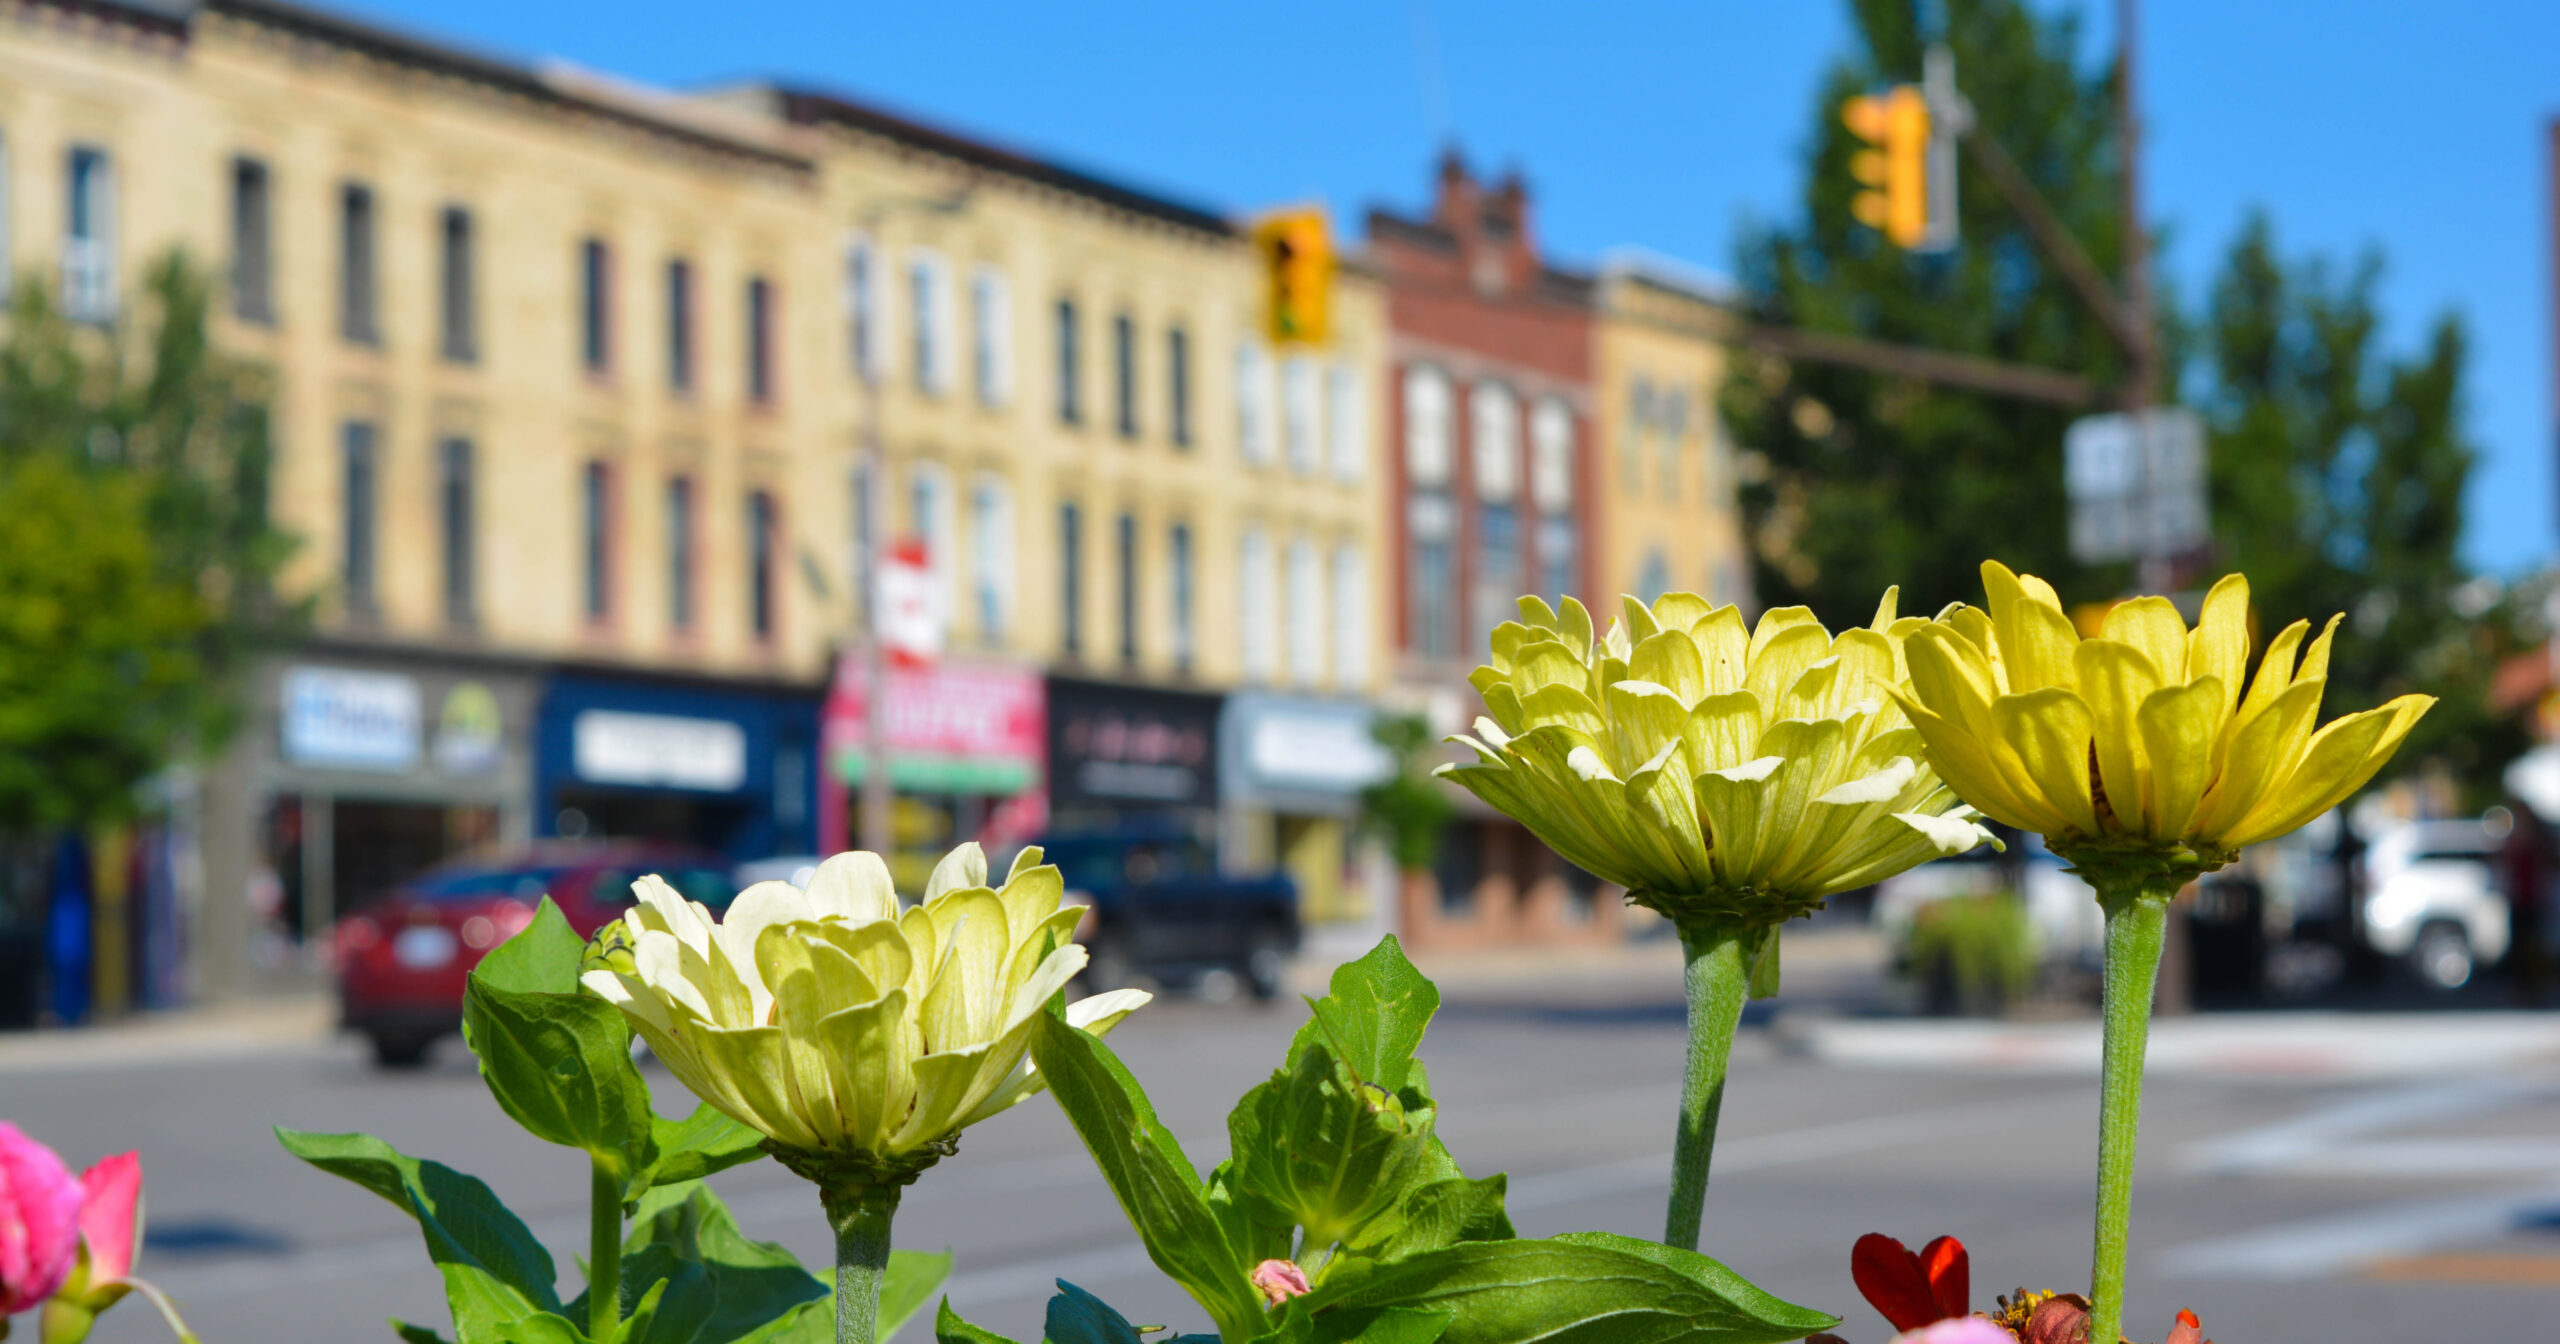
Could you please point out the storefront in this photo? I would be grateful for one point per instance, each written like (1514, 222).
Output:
(1292, 770)
(724, 766)
(964, 756)
(364, 770)
(1121, 755)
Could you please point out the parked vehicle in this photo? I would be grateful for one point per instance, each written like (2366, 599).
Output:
(2063, 910)
(402, 958)
(1162, 910)
(2432, 900)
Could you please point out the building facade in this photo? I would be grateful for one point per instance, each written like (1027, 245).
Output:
(1494, 486)
(1665, 487)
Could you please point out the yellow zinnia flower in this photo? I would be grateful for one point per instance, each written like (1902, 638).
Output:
(1717, 772)
(841, 1027)
(2139, 740)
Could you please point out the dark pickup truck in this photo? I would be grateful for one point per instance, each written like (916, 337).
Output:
(1163, 912)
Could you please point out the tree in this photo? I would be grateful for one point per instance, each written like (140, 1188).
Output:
(137, 559)
(1864, 481)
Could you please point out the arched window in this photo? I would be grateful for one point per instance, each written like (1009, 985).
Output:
(1427, 452)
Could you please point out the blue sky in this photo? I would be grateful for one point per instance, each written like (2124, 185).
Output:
(2417, 129)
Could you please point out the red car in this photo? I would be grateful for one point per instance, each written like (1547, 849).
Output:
(401, 961)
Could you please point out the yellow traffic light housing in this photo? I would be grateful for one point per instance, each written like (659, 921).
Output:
(1894, 167)
(1297, 265)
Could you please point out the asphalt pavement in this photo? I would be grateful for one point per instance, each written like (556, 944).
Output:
(2304, 1177)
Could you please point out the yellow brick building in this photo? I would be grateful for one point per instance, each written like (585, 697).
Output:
(575, 383)
(1671, 518)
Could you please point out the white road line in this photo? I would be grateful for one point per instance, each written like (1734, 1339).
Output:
(2318, 1248)
(2315, 1133)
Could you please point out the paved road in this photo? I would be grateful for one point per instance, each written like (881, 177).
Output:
(2285, 1199)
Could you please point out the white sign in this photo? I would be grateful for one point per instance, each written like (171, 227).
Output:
(350, 720)
(660, 750)
(910, 605)
(1333, 752)
(2137, 484)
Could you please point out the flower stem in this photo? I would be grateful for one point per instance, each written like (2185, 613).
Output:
(1717, 981)
(604, 1252)
(2137, 918)
(860, 1215)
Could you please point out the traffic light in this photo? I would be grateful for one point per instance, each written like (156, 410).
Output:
(1894, 167)
(1297, 267)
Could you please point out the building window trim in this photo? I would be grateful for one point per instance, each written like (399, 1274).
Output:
(457, 489)
(253, 289)
(595, 308)
(359, 265)
(598, 529)
(458, 305)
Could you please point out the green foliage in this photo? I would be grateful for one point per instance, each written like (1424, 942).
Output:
(1985, 944)
(1410, 808)
(1398, 1250)
(557, 1060)
(136, 556)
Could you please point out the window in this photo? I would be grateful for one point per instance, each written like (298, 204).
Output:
(928, 299)
(359, 317)
(680, 552)
(1674, 410)
(1253, 604)
(1127, 545)
(1070, 580)
(1178, 561)
(595, 500)
(458, 310)
(1350, 618)
(865, 527)
(1124, 375)
(991, 558)
(1431, 522)
(454, 493)
(760, 341)
(1494, 441)
(1298, 413)
(1177, 375)
(991, 323)
(1654, 579)
(1497, 576)
(1428, 453)
(595, 306)
(360, 481)
(1253, 402)
(89, 244)
(763, 545)
(1306, 613)
(1639, 423)
(1551, 489)
(1070, 410)
(680, 326)
(1349, 441)
(929, 521)
(253, 297)
(862, 306)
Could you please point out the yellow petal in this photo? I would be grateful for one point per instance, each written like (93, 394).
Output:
(1682, 611)
(1729, 807)
(2219, 646)
(2275, 670)
(1964, 759)
(1885, 608)
(2178, 726)
(870, 1082)
(1573, 622)
(2151, 625)
(1637, 619)
(1723, 648)
(1643, 719)
(2049, 730)
(1548, 663)
(1723, 731)
(2253, 755)
(2315, 663)
(1779, 660)
(2342, 758)
(1777, 621)
(2115, 678)
(1670, 659)
(2035, 636)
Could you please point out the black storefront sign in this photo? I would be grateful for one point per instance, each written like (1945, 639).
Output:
(1114, 747)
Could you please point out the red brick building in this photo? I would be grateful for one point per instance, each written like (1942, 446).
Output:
(1491, 489)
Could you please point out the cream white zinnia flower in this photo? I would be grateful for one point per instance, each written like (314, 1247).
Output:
(837, 1024)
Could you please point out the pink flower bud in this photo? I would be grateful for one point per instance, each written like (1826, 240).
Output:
(111, 1215)
(1960, 1330)
(39, 1222)
(1279, 1281)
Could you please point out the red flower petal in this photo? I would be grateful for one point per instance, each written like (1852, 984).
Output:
(1950, 1273)
(2189, 1330)
(1890, 1278)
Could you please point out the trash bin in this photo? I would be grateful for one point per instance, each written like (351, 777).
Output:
(2227, 941)
(21, 976)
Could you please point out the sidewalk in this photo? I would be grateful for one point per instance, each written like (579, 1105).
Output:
(237, 1029)
(2263, 1045)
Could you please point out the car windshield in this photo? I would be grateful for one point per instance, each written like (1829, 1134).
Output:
(709, 886)
(525, 884)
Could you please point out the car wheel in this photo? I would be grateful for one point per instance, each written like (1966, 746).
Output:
(1266, 967)
(401, 1051)
(2442, 957)
(1217, 985)
(1107, 966)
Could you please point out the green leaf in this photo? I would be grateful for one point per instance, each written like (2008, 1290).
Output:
(541, 1328)
(1078, 1317)
(560, 1066)
(719, 1287)
(1318, 1147)
(909, 1284)
(1156, 1185)
(948, 1328)
(494, 1270)
(1587, 1288)
(415, 1334)
(696, 1146)
(1438, 1214)
(1374, 1015)
(543, 957)
(1252, 1240)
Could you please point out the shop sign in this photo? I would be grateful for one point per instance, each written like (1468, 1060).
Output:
(610, 746)
(471, 733)
(951, 727)
(1124, 744)
(1320, 748)
(349, 720)
(909, 602)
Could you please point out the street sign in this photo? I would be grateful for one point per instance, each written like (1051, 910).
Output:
(2137, 484)
(910, 605)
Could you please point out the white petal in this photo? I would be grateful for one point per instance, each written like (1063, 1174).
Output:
(1587, 763)
(1880, 787)
(1492, 732)
(690, 923)
(660, 959)
(1099, 1013)
(961, 869)
(1952, 833)
(853, 885)
(1751, 771)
